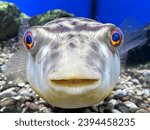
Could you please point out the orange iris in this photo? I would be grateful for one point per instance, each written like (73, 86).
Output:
(115, 38)
(28, 40)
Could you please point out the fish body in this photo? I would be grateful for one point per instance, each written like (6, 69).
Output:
(71, 62)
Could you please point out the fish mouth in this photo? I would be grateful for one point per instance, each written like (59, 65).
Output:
(74, 82)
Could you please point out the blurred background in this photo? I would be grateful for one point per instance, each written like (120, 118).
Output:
(114, 11)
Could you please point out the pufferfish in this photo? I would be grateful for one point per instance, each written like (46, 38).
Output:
(71, 62)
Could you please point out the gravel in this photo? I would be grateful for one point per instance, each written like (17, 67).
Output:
(131, 94)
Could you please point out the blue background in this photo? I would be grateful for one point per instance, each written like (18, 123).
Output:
(115, 11)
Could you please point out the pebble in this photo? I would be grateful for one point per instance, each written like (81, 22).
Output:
(20, 84)
(2, 109)
(113, 102)
(148, 100)
(46, 110)
(26, 93)
(121, 93)
(147, 92)
(130, 104)
(7, 86)
(8, 93)
(94, 108)
(10, 82)
(2, 83)
(142, 105)
(139, 93)
(144, 72)
(17, 97)
(32, 106)
(7, 102)
(25, 98)
(135, 81)
(141, 111)
(126, 98)
(87, 110)
(123, 108)
(24, 110)
(115, 111)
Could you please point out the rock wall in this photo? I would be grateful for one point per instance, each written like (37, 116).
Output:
(10, 17)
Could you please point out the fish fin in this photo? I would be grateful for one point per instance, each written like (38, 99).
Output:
(135, 35)
(23, 27)
(15, 69)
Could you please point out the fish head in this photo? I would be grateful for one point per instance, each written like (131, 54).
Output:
(73, 62)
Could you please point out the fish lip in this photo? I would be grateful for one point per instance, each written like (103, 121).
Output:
(74, 82)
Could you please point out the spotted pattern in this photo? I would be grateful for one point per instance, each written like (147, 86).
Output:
(72, 24)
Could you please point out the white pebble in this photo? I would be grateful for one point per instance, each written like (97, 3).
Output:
(135, 81)
(21, 84)
(115, 111)
(131, 104)
(113, 101)
(2, 83)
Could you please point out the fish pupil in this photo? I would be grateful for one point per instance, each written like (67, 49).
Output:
(116, 37)
(28, 39)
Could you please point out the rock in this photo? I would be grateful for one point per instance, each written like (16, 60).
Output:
(24, 110)
(2, 83)
(115, 111)
(25, 98)
(120, 93)
(94, 108)
(87, 110)
(132, 110)
(111, 96)
(41, 106)
(10, 19)
(8, 93)
(101, 109)
(144, 72)
(148, 100)
(126, 98)
(24, 92)
(20, 84)
(49, 16)
(17, 98)
(46, 110)
(147, 92)
(142, 105)
(7, 86)
(32, 106)
(131, 104)
(148, 109)
(123, 108)
(140, 92)
(2, 109)
(141, 111)
(7, 102)
(126, 80)
(129, 83)
(111, 104)
(135, 81)
(10, 109)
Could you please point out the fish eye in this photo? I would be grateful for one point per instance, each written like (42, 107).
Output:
(29, 40)
(115, 38)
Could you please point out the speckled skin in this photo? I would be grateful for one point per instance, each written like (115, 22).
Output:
(73, 49)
